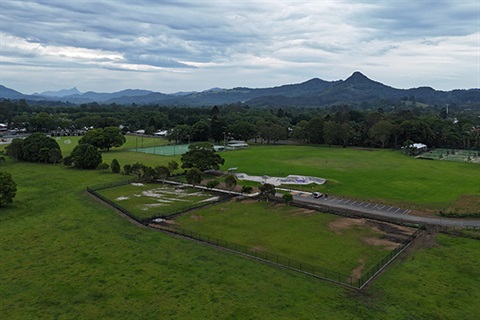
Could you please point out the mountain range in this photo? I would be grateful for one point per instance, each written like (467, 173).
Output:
(315, 92)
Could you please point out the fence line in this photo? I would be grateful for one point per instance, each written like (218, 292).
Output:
(376, 269)
(292, 264)
(93, 190)
(299, 266)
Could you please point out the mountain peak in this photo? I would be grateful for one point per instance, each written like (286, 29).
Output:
(357, 76)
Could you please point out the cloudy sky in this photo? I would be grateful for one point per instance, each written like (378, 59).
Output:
(171, 46)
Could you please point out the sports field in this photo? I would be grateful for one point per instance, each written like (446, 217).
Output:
(381, 176)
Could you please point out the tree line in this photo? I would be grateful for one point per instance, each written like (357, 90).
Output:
(371, 126)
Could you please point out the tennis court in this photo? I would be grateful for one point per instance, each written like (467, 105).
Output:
(457, 155)
(170, 150)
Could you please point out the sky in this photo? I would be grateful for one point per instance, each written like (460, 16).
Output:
(170, 46)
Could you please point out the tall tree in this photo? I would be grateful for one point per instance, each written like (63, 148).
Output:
(8, 188)
(193, 176)
(14, 149)
(35, 147)
(202, 156)
(381, 132)
(86, 156)
(162, 172)
(230, 182)
(267, 190)
(104, 138)
(243, 130)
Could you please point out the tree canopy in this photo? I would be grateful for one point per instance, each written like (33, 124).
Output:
(35, 148)
(194, 176)
(86, 156)
(267, 190)
(8, 188)
(202, 156)
(104, 138)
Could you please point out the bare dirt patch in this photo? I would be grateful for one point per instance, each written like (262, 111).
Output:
(258, 248)
(357, 272)
(342, 224)
(302, 212)
(387, 244)
(391, 229)
(196, 218)
(466, 203)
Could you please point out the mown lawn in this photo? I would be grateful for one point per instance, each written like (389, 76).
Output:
(373, 174)
(65, 256)
(382, 176)
(290, 232)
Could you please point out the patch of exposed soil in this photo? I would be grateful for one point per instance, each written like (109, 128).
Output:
(341, 224)
(258, 248)
(357, 272)
(466, 203)
(387, 244)
(196, 218)
(390, 228)
(302, 212)
(170, 222)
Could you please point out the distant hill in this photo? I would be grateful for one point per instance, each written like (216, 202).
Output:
(7, 93)
(354, 90)
(60, 93)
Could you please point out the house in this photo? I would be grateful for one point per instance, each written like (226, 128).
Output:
(236, 144)
(416, 148)
(162, 133)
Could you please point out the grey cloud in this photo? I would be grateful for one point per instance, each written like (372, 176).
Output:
(413, 19)
(231, 35)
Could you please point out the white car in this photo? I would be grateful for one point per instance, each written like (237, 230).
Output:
(317, 195)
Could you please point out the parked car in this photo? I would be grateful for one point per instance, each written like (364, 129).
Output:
(317, 195)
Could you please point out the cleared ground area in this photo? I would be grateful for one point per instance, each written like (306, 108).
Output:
(346, 245)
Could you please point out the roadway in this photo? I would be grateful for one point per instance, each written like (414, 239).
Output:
(381, 211)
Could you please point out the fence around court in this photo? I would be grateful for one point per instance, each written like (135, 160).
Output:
(295, 265)
(163, 150)
(163, 215)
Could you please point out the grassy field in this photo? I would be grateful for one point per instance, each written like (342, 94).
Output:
(145, 201)
(65, 256)
(382, 176)
(373, 174)
(320, 239)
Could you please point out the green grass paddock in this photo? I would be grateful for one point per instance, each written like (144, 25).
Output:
(369, 174)
(294, 233)
(66, 256)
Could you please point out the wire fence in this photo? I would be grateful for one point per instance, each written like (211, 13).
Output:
(159, 215)
(292, 264)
